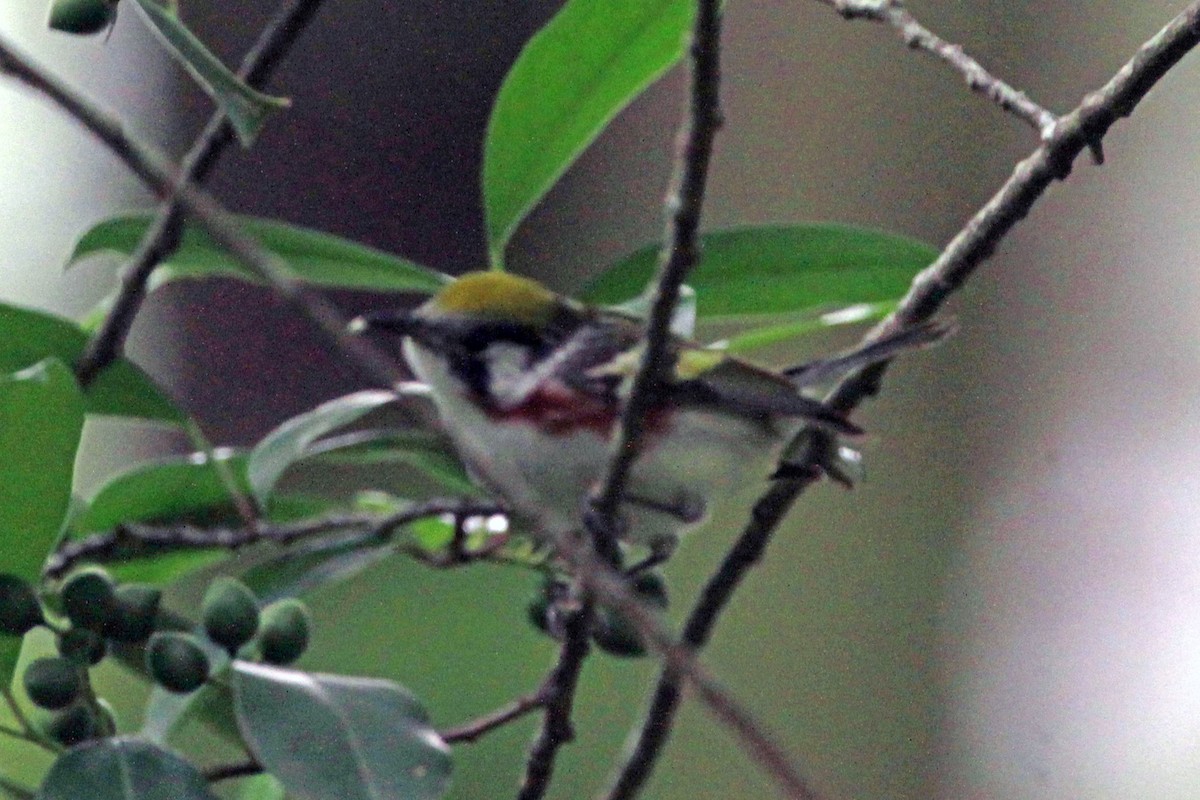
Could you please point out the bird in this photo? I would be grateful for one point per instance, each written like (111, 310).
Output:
(530, 385)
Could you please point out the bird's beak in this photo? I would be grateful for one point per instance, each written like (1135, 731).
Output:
(401, 323)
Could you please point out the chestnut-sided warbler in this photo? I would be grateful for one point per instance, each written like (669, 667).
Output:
(530, 384)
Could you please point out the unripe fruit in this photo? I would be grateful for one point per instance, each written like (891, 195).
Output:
(651, 588)
(82, 646)
(616, 636)
(176, 661)
(230, 613)
(82, 16)
(538, 610)
(137, 606)
(19, 608)
(89, 599)
(285, 629)
(76, 724)
(52, 683)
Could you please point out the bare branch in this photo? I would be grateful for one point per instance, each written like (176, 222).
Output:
(559, 693)
(471, 731)
(679, 254)
(917, 36)
(610, 590)
(163, 237)
(1081, 129)
(135, 539)
(224, 772)
(154, 169)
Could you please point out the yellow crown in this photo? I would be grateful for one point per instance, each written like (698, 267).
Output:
(496, 295)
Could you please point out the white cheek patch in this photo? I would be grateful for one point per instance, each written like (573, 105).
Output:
(510, 378)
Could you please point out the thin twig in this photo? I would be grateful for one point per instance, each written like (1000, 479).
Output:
(224, 772)
(162, 239)
(1081, 129)
(679, 254)
(611, 590)
(471, 731)
(917, 36)
(559, 702)
(135, 539)
(155, 170)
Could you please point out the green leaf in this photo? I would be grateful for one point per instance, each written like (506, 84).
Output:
(184, 489)
(428, 452)
(120, 390)
(246, 108)
(123, 769)
(290, 442)
(781, 269)
(327, 736)
(260, 787)
(41, 419)
(313, 257)
(767, 335)
(307, 567)
(569, 82)
(211, 705)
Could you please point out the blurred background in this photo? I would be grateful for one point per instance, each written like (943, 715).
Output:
(1007, 608)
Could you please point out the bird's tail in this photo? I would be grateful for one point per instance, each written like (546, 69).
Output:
(916, 337)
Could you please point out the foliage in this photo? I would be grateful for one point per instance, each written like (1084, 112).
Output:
(326, 736)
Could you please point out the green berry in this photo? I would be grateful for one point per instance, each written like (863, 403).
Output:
(285, 629)
(52, 683)
(82, 16)
(176, 661)
(19, 608)
(137, 607)
(74, 725)
(230, 613)
(85, 648)
(89, 599)
(538, 611)
(651, 588)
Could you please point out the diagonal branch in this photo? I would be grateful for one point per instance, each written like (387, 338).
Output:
(917, 36)
(163, 237)
(680, 252)
(1081, 129)
(157, 172)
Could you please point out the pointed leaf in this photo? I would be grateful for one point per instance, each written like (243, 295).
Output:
(313, 257)
(569, 82)
(247, 109)
(782, 331)
(330, 736)
(123, 769)
(290, 442)
(429, 452)
(781, 269)
(41, 419)
(120, 390)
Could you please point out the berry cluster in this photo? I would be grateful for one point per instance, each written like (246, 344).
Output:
(91, 612)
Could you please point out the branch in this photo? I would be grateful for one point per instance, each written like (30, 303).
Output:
(154, 169)
(680, 253)
(597, 577)
(469, 732)
(559, 694)
(917, 36)
(133, 539)
(1084, 127)
(162, 239)
(610, 590)
(224, 772)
